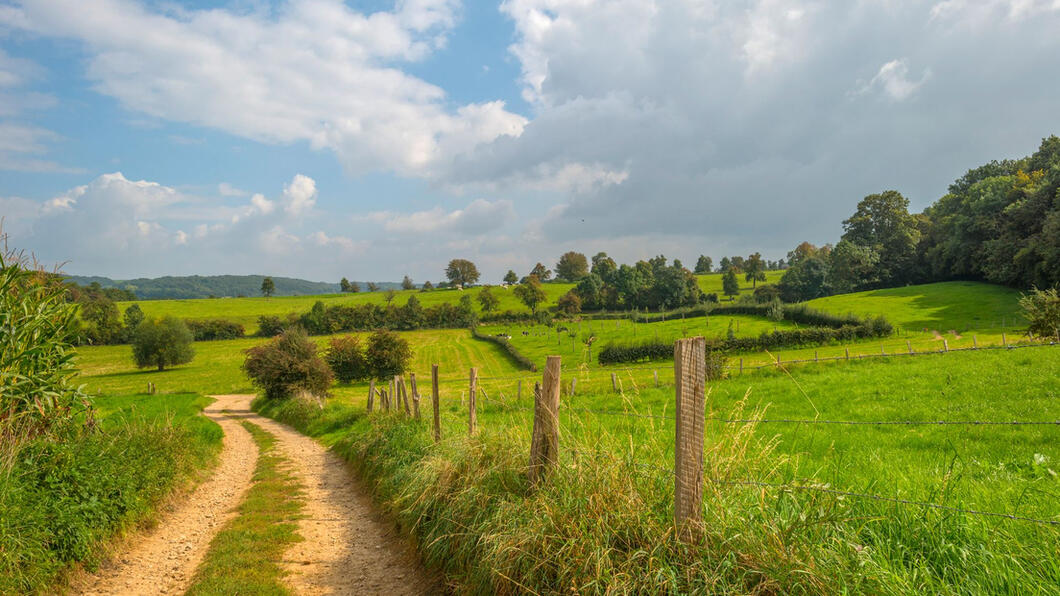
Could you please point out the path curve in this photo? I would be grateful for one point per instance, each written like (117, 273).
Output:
(347, 546)
(164, 560)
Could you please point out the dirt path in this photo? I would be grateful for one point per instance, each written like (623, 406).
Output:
(164, 560)
(347, 547)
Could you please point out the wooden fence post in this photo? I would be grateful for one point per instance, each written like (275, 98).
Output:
(614, 383)
(848, 352)
(815, 358)
(544, 442)
(371, 395)
(975, 343)
(909, 346)
(403, 394)
(434, 403)
(1004, 342)
(945, 346)
(656, 374)
(741, 366)
(689, 390)
(472, 414)
(415, 397)
(573, 385)
(519, 390)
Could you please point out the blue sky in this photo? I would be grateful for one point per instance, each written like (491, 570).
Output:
(321, 138)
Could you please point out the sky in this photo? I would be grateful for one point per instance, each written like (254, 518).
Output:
(371, 140)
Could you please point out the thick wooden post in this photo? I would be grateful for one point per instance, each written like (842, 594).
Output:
(434, 403)
(945, 346)
(518, 390)
(404, 395)
(544, 442)
(1004, 342)
(848, 353)
(472, 414)
(415, 397)
(371, 395)
(573, 385)
(614, 383)
(690, 396)
(975, 343)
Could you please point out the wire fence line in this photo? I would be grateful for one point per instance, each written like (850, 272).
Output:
(788, 486)
(774, 364)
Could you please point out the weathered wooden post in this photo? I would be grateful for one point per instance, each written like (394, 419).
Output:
(415, 397)
(371, 395)
(655, 373)
(573, 386)
(1004, 342)
(690, 397)
(434, 403)
(544, 442)
(909, 347)
(614, 383)
(815, 359)
(472, 414)
(945, 346)
(847, 352)
(975, 342)
(519, 390)
(403, 394)
(741, 366)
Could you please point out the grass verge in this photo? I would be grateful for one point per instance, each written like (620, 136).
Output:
(244, 556)
(66, 496)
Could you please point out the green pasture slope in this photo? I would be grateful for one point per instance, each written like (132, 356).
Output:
(943, 306)
(246, 311)
(65, 498)
(603, 517)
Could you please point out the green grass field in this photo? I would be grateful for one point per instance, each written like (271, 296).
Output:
(944, 306)
(468, 503)
(246, 311)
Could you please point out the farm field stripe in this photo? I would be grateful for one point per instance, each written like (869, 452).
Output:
(347, 546)
(164, 560)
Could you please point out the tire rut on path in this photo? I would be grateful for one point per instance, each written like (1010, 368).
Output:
(164, 560)
(347, 546)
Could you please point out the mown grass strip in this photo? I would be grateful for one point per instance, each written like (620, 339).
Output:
(244, 557)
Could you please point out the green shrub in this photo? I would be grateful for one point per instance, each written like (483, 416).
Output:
(387, 354)
(346, 359)
(1042, 309)
(286, 364)
(161, 343)
(214, 329)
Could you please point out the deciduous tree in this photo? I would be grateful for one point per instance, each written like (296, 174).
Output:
(462, 271)
(162, 343)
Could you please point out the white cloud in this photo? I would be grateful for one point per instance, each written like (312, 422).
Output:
(480, 216)
(893, 79)
(313, 70)
(300, 195)
(227, 190)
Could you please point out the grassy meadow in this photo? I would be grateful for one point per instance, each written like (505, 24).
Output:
(603, 521)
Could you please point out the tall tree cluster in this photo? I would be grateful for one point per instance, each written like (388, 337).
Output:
(998, 223)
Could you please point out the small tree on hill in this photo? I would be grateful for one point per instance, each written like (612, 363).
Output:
(427, 286)
(540, 272)
(268, 287)
(162, 343)
(344, 285)
(346, 359)
(287, 364)
(572, 266)
(724, 265)
(530, 293)
(487, 299)
(406, 284)
(730, 286)
(704, 264)
(510, 277)
(755, 269)
(373, 287)
(386, 355)
(355, 287)
(462, 271)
